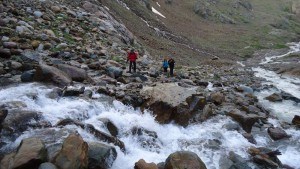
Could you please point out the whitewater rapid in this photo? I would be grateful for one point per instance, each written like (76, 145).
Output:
(170, 137)
(286, 109)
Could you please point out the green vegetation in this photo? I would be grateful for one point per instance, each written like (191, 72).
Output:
(258, 24)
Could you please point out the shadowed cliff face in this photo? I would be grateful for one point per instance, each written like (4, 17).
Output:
(198, 30)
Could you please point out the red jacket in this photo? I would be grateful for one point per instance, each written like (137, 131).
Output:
(132, 56)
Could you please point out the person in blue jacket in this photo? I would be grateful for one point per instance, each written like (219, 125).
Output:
(165, 65)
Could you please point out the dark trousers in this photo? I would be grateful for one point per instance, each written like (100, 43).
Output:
(165, 69)
(171, 70)
(134, 66)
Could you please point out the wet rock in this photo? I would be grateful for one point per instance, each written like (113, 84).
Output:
(27, 76)
(238, 161)
(217, 98)
(5, 53)
(101, 156)
(111, 127)
(275, 97)
(3, 114)
(55, 93)
(30, 154)
(250, 138)
(45, 73)
(265, 157)
(296, 120)
(47, 166)
(141, 164)
(75, 73)
(18, 121)
(277, 133)
(245, 120)
(244, 89)
(183, 159)
(74, 153)
(72, 91)
(231, 126)
(98, 134)
(287, 96)
(201, 83)
(10, 45)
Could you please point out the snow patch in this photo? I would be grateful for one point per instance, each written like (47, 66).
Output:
(158, 4)
(158, 13)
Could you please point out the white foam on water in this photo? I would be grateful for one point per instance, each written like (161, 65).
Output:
(158, 13)
(170, 137)
(294, 48)
(285, 110)
(290, 156)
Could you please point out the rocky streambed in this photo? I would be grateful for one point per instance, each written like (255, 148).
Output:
(67, 101)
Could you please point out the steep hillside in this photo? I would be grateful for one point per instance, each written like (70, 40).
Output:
(229, 29)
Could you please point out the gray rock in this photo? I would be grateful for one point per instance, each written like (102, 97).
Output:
(15, 65)
(277, 133)
(47, 166)
(114, 72)
(245, 120)
(45, 73)
(27, 76)
(217, 97)
(101, 155)
(62, 46)
(5, 53)
(38, 14)
(10, 45)
(75, 73)
(31, 56)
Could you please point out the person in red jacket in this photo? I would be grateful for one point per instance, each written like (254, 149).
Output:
(132, 56)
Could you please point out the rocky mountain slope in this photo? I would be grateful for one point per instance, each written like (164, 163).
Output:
(77, 49)
(229, 29)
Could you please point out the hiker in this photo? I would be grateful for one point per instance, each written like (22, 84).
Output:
(165, 65)
(171, 63)
(132, 56)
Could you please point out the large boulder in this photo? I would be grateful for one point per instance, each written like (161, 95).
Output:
(184, 160)
(141, 164)
(45, 73)
(245, 120)
(74, 153)
(170, 102)
(277, 133)
(114, 72)
(101, 156)
(75, 73)
(18, 121)
(30, 154)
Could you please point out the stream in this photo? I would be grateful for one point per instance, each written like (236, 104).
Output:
(198, 138)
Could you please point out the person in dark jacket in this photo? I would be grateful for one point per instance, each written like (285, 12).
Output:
(131, 57)
(171, 65)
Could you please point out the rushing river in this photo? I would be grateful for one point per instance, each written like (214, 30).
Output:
(197, 138)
